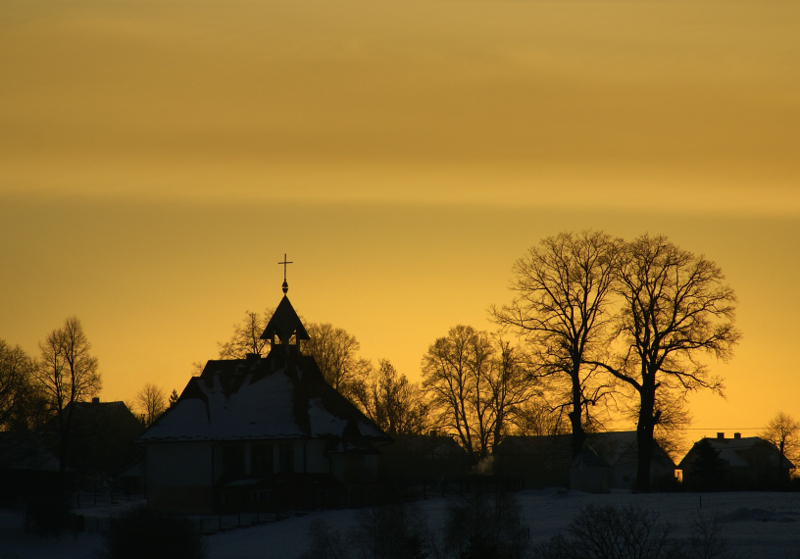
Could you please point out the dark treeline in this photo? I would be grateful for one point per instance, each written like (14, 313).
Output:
(597, 326)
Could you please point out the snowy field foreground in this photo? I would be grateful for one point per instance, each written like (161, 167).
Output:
(758, 525)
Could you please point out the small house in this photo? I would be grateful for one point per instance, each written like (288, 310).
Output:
(609, 462)
(738, 462)
(606, 462)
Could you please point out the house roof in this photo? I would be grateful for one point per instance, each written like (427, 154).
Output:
(734, 451)
(599, 449)
(280, 396)
(24, 451)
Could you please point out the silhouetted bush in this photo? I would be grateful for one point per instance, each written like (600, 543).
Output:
(141, 533)
(705, 540)
(325, 543)
(389, 532)
(609, 532)
(484, 526)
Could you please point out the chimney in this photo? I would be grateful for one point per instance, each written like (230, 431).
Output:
(96, 400)
(720, 436)
(737, 435)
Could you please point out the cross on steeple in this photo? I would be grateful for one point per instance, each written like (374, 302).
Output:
(285, 285)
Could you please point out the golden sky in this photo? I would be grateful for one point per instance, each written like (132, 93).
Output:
(158, 158)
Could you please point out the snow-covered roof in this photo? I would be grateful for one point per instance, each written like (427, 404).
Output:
(736, 451)
(280, 396)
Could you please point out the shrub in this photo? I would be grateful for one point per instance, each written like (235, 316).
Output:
(388, 532)
(484, 526)
(613, 533)
(141, 533)
(325, 543)
(705, 540)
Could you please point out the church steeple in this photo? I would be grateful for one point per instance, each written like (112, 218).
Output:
(285, 325)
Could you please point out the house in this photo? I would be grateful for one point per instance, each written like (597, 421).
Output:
(541, 461)
(261, 434)
(609, 462)
(423, 459)
(606, 462)
(738, 462)
(25, 467)
(100, 440)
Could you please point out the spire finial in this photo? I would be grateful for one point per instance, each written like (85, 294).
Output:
(285, 285)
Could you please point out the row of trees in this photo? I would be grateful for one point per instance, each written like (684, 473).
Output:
(38, 390)
(635, 320)
(596, 323)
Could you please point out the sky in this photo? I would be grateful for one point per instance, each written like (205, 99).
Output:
(157, 159)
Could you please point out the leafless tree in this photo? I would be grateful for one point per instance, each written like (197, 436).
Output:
(561, 306)
(16, 368)
(784, 432)
(336, 354)
(395, 404)
(246, 336)
(151, 402)
(67, 373)
(675, 309)
(476, 384)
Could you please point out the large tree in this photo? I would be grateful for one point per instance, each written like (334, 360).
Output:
(150, 402)
(394, 403)
(16, 368)
(336, 354)
(563, 289)
(784, 432)
(675, 308)
(67, 373)
(246, 336)
(475, 384)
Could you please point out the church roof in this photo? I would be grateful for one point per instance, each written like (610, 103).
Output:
(280, 396)
(285, 323)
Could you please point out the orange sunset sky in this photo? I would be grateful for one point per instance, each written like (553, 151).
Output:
(157, 159)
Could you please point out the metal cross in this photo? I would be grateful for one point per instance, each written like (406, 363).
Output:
(285, 285)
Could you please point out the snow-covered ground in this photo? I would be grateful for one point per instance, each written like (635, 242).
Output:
(758, 525)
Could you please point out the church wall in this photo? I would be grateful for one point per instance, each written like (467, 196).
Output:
(179, 477)
(179, 465)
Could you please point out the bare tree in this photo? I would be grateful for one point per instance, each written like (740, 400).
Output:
(151, 402)
(476, 386)
(336, 354)
(16, 368)
(784, 432)
(246, 336)
(67, 373)
(395, 404)
(561, 306)
(675, 309)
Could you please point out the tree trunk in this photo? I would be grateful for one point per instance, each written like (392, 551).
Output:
(644, 439)
(575, 417)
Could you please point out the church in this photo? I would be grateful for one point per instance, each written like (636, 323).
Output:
(261, 434)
